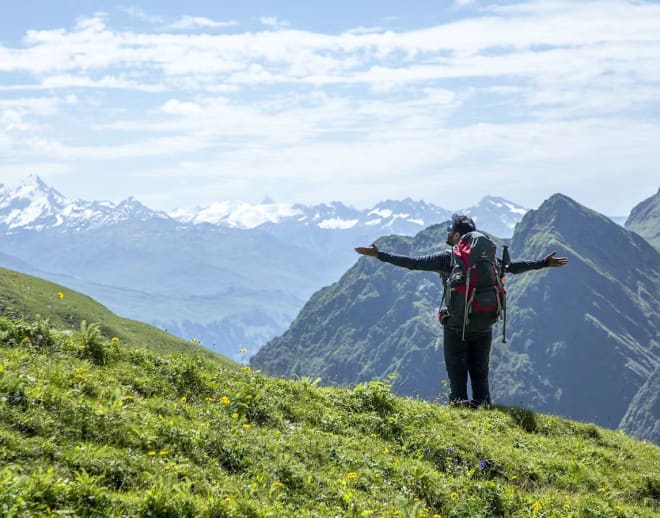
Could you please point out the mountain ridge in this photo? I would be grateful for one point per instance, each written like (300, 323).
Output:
(34, 205)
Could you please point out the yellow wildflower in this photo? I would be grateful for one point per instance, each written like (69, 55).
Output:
(277, 484)
(225, 400)
(536, 508)
(163, 452)
(247, 426)
(352, 475)
(184, 399)
(115, 340)
(244, 350)
(151, 453)
(246, 369)
(453, 496)
(60, 295)
(235, 415)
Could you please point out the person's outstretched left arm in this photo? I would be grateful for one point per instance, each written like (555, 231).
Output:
(549, 261)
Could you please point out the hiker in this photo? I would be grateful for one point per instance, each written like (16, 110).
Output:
(467, 324)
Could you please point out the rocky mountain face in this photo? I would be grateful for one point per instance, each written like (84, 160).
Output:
(583, 339)
(645, 220)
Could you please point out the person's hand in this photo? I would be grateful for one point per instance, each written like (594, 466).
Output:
(551, 260)
(371, 251)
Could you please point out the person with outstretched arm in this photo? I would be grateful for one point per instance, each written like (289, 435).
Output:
(467, 326)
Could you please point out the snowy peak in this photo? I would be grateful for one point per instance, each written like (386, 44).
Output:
(237, 214)
(329, 216)
(35, 206)
(32, 204)
(132, 209)
(496, 215)
(405, 216)
(393, 213)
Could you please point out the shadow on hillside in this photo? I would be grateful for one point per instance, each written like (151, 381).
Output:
(524, 418)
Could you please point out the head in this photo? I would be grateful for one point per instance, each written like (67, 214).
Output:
(460, 224)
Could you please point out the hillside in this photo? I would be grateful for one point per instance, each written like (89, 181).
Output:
(374, 321)
(645, 220)
(641, 419)
(144, 434)
(26, 296)
(582, 339)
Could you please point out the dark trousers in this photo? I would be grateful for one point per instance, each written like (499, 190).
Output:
(467, 357)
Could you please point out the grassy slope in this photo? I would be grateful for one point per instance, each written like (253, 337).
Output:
(24, 295)
(177, 435)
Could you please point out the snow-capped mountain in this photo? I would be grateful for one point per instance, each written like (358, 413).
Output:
(497, 215)
(237, 214)
(34, 205)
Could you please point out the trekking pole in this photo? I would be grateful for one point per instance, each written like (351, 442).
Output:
(506, 260)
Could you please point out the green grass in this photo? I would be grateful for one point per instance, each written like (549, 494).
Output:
(26, 296)
(89, 427)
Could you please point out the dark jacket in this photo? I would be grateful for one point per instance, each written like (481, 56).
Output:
(441, 262)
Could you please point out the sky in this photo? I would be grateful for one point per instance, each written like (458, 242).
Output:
(181, 104)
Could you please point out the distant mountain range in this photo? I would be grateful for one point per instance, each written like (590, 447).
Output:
(231, 275)
(401, 217)
(583, 339)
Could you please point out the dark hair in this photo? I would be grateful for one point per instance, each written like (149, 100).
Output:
(461, 224)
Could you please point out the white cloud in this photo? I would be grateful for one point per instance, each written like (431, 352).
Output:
(273, 21)
(105, 82)
(528, 44)
(150, 147)
(187, 23)
(21, 115)
(142, 15)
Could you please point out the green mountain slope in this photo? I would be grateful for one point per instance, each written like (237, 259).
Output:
(26, 296)
(645, 220)
(374, 321)
(583, 339)
(641, 418)
(146, 434)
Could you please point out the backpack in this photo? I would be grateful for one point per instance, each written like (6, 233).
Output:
(476, 297)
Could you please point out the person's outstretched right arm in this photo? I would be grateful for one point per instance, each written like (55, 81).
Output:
(438, 262)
